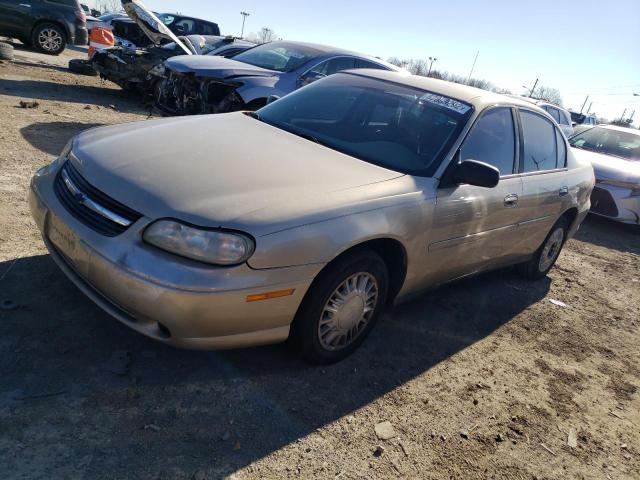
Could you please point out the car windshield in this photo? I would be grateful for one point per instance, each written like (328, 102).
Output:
(609, 142)
(281, 56)
(391, 125)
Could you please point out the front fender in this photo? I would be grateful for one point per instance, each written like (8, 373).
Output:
(322, 241)
(254, 88)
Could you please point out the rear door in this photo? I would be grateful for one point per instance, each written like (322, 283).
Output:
(544, 177)
(474, 227)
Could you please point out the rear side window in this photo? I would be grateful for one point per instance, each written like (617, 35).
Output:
(361, 63)
(539, 136)
(554, 112)
(492, 140)
(334, 65)
(206, 28)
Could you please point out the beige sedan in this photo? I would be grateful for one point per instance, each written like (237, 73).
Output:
(305, 219)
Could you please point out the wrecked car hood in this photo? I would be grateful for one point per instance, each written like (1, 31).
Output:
(610, 167)
(226, 170)
(218, 67)
(151, 25)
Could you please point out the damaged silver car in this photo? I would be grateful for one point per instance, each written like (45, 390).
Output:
(204, 84)
(141, 69)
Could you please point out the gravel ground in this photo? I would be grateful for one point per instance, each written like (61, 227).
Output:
(486, 378)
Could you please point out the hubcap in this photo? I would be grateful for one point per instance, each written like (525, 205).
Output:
(348, 311)
(551, 249)
(49, 39)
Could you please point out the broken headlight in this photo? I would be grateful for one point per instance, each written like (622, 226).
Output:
(217, 247)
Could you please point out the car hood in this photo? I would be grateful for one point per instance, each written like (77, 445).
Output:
(610, 167)
(217, 67)
(151, 25)
(226, 170)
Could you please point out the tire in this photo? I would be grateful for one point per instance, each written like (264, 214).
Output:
(545, 257)
(323, 337)
(81, 67)
(6, 51)
(49, 38)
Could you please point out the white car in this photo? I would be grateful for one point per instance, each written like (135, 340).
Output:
(614, 153)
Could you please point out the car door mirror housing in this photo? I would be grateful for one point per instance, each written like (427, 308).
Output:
(310, 77)
(474, 172)
(272, 98)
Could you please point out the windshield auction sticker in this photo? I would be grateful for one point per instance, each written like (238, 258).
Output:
(446, 102)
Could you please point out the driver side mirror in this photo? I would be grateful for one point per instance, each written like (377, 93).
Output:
(309, 77)
(476, 173)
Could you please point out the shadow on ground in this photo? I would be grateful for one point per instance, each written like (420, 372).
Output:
(609, 234)
(51, 137)
(131, 407)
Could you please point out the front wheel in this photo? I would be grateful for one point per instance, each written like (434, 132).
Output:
(545, 257)
(49, 38)
(341, 307)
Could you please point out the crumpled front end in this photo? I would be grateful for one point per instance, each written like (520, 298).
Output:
(131, 69)
(188, 94)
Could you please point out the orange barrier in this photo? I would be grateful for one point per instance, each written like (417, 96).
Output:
(100, 37)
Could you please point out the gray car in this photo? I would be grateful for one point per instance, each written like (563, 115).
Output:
(614, 153)
(305, 219)
(196, 85)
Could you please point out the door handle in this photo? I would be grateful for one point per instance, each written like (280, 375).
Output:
(511, 200)
(563, 191)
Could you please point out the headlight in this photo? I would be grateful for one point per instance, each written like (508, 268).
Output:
(211, 246)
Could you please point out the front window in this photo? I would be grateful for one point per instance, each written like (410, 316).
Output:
(617, 143)
(281, 56)
(395, 126)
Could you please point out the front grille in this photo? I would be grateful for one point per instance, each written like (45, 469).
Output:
(602, 203)
(74, 203)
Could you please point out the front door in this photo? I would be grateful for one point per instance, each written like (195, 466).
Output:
(474, 227)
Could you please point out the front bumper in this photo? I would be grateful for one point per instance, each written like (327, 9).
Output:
(173, 300)
(615, 203)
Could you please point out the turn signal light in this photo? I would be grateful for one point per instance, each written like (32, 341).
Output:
(268, 295)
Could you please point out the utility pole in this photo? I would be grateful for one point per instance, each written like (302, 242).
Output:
(623, 112)
(589, 109)
(473, 66)
(631, 117)
(244, 17)
(535, 84)
(585, 102)
(431, 60)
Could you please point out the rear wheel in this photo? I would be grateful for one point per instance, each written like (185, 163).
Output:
(341, 307)
(49, 38)
(545, 257)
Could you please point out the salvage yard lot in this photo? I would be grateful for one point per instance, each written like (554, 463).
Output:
(486, 378)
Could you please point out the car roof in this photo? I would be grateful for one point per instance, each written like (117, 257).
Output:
(537, 101)
(619, 129)
(327, 50)
(475, 96)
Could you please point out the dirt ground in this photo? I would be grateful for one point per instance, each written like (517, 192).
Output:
(486, 378)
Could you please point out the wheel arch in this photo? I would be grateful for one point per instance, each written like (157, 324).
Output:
(570, 215)
(393, 254)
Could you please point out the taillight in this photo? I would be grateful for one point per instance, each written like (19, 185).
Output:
(81, 15)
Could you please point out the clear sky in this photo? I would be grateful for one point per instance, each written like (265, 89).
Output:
(581, 47)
